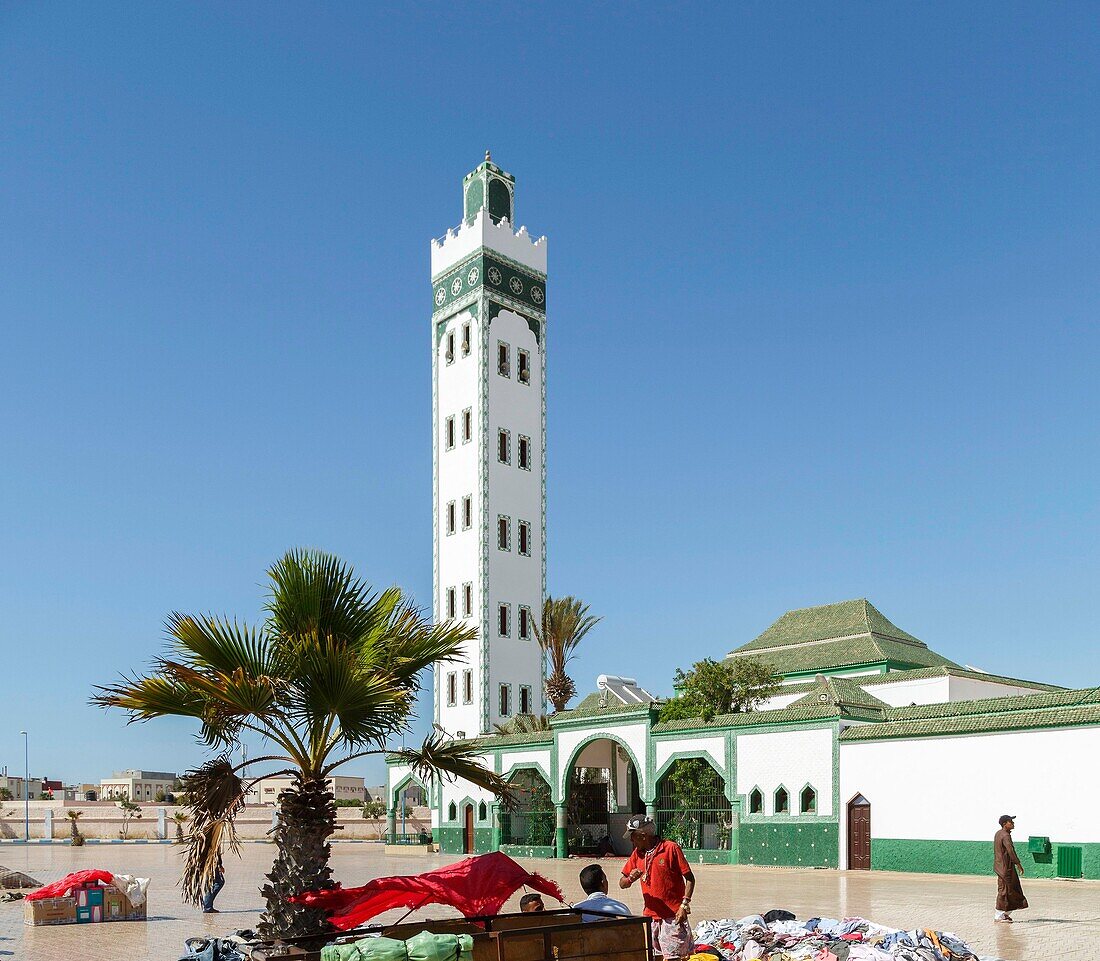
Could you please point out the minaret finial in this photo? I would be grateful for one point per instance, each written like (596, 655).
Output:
(488, 156)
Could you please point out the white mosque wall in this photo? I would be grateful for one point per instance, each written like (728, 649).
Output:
(924, 690)
(791, 759)
(463, 241)
(955, 788)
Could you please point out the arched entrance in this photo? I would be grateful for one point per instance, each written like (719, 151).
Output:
(468, 829)
(859, 834)
(601, 792)
(531, 820)
(692, 807)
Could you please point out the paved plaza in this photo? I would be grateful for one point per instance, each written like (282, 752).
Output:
(1063, 923)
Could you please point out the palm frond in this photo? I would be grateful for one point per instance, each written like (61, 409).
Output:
(565, 622)
(409, 643)
(210, 643)
(216, 794)
(314, 593)
(144, 698)
(453, 760)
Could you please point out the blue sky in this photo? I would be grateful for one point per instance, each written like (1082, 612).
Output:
(824, 324)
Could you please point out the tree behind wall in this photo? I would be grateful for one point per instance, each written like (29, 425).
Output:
(714, 687)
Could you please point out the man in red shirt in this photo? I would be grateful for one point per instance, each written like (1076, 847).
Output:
(667, 886)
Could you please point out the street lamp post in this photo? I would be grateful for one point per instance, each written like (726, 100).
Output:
(26, 786)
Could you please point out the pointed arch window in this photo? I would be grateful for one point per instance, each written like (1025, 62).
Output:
(482, 812)
(756, 801)
(782, 801)
(452, 812)
(807, 801)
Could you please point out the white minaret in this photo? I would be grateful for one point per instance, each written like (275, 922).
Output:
(489, 454)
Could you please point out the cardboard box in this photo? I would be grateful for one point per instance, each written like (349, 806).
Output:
(117, 907)
(50, 911)
(89, 897)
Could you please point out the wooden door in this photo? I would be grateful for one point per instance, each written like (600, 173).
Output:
(859, 834)
(468, 834)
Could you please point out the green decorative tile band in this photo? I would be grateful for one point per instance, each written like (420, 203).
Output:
(494, 274)
(528, 850)
(791, 845)
(972, 857)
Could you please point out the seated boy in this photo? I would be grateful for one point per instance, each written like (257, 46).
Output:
(532, 904)
(598, 906)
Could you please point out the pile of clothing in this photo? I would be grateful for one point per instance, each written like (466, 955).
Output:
(778, 936)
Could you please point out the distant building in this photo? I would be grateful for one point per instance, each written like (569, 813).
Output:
(14, 785)
(136, 785)
(267, 790)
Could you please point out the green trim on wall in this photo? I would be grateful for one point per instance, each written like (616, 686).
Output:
(972, 857)
(607, 735)
(707, 857)
(789, 843)
(691, 754)
(528, 850)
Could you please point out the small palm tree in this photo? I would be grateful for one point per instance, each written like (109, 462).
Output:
(565, 621)
(331, 675)
(181, 818)
(76, 839)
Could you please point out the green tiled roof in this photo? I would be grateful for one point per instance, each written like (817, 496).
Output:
(590, 707)
(841, 692)
(833, 636)
(507, 740)
(813, 711)
(1052, 709)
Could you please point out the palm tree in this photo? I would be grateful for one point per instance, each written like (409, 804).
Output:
(330, 675)
(565, 621)
(181, 818)
(76, 839)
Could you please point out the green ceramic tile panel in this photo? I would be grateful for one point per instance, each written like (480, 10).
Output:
(792, 844)
(969, 857)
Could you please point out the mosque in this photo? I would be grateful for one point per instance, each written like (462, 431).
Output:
(878, 752)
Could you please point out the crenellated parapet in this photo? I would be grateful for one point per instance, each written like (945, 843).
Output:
(481, 231)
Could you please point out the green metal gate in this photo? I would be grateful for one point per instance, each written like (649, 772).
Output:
(1069, 861)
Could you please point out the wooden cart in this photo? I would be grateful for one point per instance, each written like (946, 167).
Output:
(547, 936)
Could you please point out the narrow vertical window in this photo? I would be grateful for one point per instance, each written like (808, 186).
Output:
(467, 687)
(467, 512)
(505, 700)
(524, 452)
(465, 340)
(452, 689)
(504, 364)
(523, 367)
(504, 534)
(524, 626)
(467, 425)
(450, 602)
(467, 599)
(525, 538)
(504, 446)
(450, 433)
(450, 517)
(525, 700)
(451, 348)
(502, 620)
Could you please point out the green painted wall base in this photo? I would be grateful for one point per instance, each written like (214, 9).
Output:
(971, 857)
(453, 840)
(805, 844)
(707, 857)
(528, 850)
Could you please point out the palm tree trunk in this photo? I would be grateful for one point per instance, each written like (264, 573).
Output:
(307, 819)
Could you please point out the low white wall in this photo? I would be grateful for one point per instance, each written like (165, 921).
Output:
(954, 788)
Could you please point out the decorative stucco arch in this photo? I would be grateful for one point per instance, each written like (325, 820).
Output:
(400, 786)
(529, 766)
(566, 769)
(689, 754)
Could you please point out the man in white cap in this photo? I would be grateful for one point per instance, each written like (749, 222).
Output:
(667, 886)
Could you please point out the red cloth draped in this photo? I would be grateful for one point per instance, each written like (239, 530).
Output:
(60, 888)
(475, 886)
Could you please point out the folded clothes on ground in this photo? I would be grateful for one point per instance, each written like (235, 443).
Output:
(753, 938)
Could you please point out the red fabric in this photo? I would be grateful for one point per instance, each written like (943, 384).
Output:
(60, 888)
(663, 868)
(475, 886)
